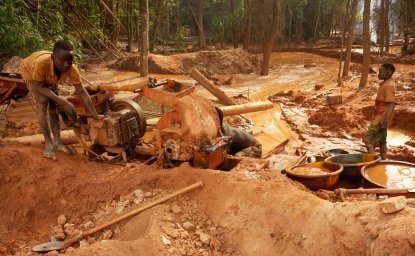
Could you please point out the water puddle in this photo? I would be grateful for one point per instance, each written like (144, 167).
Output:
(398, 137)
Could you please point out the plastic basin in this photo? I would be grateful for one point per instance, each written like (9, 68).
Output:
(353, 163)
(320, 181)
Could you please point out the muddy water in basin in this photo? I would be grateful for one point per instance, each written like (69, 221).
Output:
(392, 175)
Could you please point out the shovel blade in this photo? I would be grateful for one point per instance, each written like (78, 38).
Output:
(49, 246)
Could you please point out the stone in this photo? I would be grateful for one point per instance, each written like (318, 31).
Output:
(214, 244)
(213, 231)
(181, 251)
(148, 194)
(393, 204)
(169, 218)
(176, 209)
(139, 194)
(334, 99)
(83, 244)
(184, 234)
(52, 253)
(318, 86)
(106, 235)
(165, 240)
(61, 220)
(188, 226)
(204, 238)
(89, 224)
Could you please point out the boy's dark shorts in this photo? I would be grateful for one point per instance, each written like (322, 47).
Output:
(375, 136)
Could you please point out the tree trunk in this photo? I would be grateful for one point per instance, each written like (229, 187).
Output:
(247, 25)
(261, 29)
(366, 45)
(202, 37)
(274, 32)
(144, 37)
(299, 32)
(153, 33)
(350, 32)
(381, 27)
(129, 27)
(234, 25)
(317, 20)
(387, 31)
(290, 25)
(222, 33)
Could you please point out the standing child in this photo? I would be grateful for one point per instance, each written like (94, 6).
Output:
(382, 113)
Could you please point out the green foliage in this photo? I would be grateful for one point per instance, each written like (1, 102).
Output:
(18, 35)
(179, 38)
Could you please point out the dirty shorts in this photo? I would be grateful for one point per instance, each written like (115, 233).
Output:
(375, 136)
(252, 151)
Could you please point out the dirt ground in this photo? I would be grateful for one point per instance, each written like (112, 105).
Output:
(250, 210)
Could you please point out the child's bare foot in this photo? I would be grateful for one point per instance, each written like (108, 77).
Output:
(63, 148)
(49, 151)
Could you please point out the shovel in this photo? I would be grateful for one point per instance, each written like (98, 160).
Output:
(55, 245)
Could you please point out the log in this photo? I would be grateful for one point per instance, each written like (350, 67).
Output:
(67, 137)
(218, 93)
(231, 110)
(246, 108)
(130, 86)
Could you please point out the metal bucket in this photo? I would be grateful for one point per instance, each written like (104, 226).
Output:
(353, 163)
(323, 181)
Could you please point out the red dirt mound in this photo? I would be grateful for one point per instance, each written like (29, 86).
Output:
(334, 118)
(208, 62)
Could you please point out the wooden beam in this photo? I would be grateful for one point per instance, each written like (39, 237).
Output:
(218, 93)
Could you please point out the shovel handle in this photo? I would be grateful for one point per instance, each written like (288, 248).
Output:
(132, 213)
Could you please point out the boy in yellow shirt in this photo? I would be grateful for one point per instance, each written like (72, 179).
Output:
(382, 113)
(43, 71)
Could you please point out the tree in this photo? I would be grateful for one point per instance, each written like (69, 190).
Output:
(272, 35)
(201, 32)
(144, 24)
(350, 33)
(315, 36)
(366, 44)
(261, 25)
(234, 24)
(247, 24)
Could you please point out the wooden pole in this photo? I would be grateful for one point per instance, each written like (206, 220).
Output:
(246, 108)
(83, 37)
(112, 14)
(201, 79)
(77, 12)
(67, 137)
(130, 86)
(133, 212)
(382, 191)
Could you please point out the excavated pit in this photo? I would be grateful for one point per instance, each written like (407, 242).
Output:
(250, 210)
(244, 212)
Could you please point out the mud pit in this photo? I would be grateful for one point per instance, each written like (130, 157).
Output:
(248, 211)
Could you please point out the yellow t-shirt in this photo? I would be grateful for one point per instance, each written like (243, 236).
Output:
(39, 67)
(386, 94)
